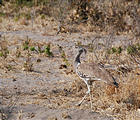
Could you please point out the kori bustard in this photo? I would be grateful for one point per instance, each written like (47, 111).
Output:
(90, 72)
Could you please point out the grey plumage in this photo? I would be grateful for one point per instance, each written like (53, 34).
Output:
(95, 72)
(90, 72)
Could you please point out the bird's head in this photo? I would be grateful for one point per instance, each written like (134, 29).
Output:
(77, 58)
(81, 50)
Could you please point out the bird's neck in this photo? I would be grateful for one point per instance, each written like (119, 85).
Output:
(77, 59)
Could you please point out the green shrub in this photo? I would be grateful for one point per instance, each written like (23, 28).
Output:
(32, 48)
(48, 51)
(114, 50)
(25, 47)
(119, 50)
(26, 44)
(131, 49)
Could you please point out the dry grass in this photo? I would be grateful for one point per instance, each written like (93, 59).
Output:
(72, 16)
(122, 103)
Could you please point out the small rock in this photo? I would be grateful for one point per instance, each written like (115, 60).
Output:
(62, 66)
(38, 60)
(14, 80)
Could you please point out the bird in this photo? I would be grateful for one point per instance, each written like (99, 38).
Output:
(91, 72)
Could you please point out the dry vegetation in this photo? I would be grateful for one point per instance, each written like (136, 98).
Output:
(117, 17)
(60, 17)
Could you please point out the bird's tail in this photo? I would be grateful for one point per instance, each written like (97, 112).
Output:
(116, 84)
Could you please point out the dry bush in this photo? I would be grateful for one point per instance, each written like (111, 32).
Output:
(108, 16)
(122, 16)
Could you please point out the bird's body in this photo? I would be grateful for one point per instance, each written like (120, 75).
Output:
(90, 72)
(94, 72)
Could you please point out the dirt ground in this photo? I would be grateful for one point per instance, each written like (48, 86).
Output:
(51, 90)
(38, 44)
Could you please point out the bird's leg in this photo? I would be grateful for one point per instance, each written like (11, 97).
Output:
(85, 94)
(88, 92)
(82, 100)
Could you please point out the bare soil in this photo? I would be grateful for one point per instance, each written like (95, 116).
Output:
(50, 91)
